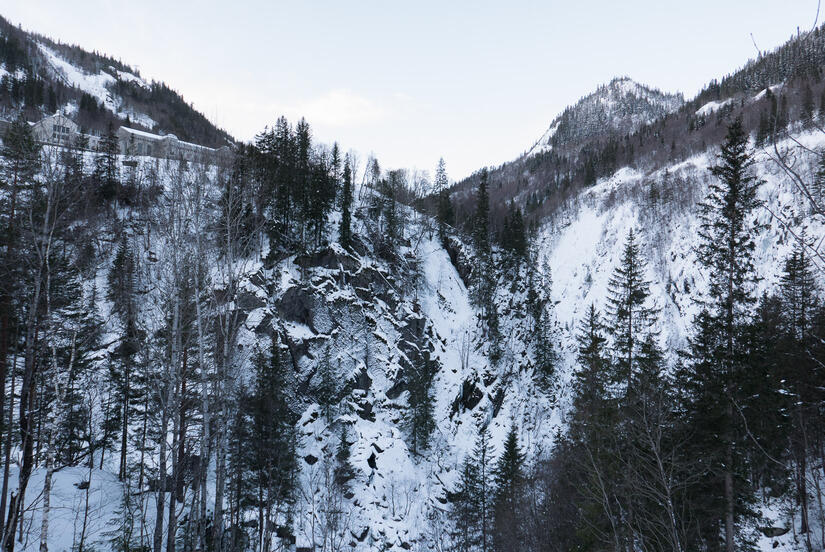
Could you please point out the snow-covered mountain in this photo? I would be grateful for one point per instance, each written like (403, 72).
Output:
(41, 76)
(619, 107)
(353, 324)
(364, 315)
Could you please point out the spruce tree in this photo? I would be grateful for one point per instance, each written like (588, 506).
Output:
(465, 513)
(630, 312)
(344, 472)
(482, 457)
(420, 416)
(107, 166)
(818, 183)
(718, 357)
(509, 481)
(345, 229)
(444, 209)
(271, 435)
(326, 389)
(481, 218)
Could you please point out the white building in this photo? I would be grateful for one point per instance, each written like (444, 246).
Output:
(139, 142)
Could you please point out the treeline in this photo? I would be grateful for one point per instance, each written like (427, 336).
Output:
(680, 455)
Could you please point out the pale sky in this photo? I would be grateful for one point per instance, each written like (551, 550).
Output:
(474, 82)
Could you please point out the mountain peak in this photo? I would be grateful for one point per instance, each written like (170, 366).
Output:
(619, 107)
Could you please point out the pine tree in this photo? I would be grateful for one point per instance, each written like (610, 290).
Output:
(345, 230)
(344, 472)
(444, 210)
(481, 219)
(107, 166)
(719, 353)
(509, 481)
(326, 390)
(629, 309)
(420, 417)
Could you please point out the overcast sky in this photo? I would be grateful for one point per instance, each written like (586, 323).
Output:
(475, 82)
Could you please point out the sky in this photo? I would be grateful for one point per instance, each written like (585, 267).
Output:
(476, 83)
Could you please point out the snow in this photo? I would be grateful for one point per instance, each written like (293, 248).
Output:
(68, 508)
(130, 77)
(774, 89)
(712, 107)
(580, 249)
(98, 85)
(95, 85)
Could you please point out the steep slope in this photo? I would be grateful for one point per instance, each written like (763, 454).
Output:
(368, 317)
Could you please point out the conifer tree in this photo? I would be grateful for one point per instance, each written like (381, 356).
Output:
(272, 436)
(481, 219)
(545, 352)
(727, 240)
(465, 513)
(21, 161)
(629, 309)
(807, 107)
(482, 491)
(326, 389)
(345, 229)
(818, 183)
(444, 209)
(799, 301)
(107, 166)
(509, 481)
(122, 294)
(344, 472)
(420, 414)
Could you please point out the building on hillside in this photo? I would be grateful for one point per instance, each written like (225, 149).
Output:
(55, 129)
(60, 130)
(139, 142)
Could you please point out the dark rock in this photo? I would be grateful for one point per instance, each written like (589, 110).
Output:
(469, 398)
(498, 400)
(296, 305)
(310, 459)
(771, 532)
(249, 301)
(371, 461)
(361, 536)
(327, 258)
(365, 412)
(395, 391)
(362, 381)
